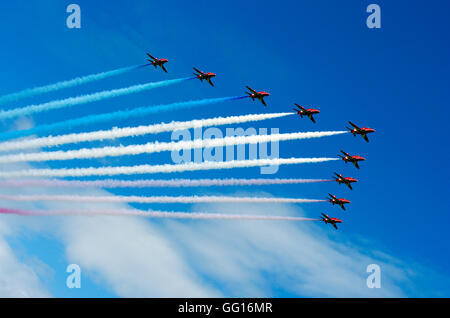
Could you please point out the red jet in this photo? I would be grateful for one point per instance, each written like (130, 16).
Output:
(259, 95)
(204, 76)
(325, 218)
(306, 112)
(360, 131)
(353, 159)
(347, 181)
(157, 62)
(334, 200)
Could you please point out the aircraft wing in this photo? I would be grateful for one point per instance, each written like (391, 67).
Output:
(264, 103)
(342, 206)
(354, 125)
(350, 186)
(356, 164)
(301, 107)
(163, 67)
(251, 89)
(152, 57)
(197, 70)
(210, 82)
(312, 118)
(365, 138)
(346, 154)
(335, 226)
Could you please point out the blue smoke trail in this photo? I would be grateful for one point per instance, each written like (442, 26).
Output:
(89, 98)
(66, 84)
(122, 114)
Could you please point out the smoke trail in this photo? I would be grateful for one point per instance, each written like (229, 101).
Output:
(153, 199)
(83, 99)
(66, 84)
(152, 183)
(90, 153)
(133, 131)
(123, 114)
(159, 214)
(148, 169)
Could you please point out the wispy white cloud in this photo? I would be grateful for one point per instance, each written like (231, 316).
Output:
(17, 279)
(131, 257)
(258, 258)
(125, 255)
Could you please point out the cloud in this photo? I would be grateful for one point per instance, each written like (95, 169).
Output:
(16, 278)
(23, 123)
(136, 257)
(126, 255)
(259, 259)
(132, 257)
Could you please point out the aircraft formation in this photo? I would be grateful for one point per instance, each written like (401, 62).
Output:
(13, 140)
(301, 111)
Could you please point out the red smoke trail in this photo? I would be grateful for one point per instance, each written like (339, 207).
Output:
(158, 214)
(13, 211)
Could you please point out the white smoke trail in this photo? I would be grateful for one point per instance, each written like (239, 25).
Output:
(151, 183)
(83, 99)
(153, 199)
(149, 169)
(133, 131)
(90, 153)
(158, 214)
(66, 84)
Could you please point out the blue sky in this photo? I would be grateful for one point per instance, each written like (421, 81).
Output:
(394, 79)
